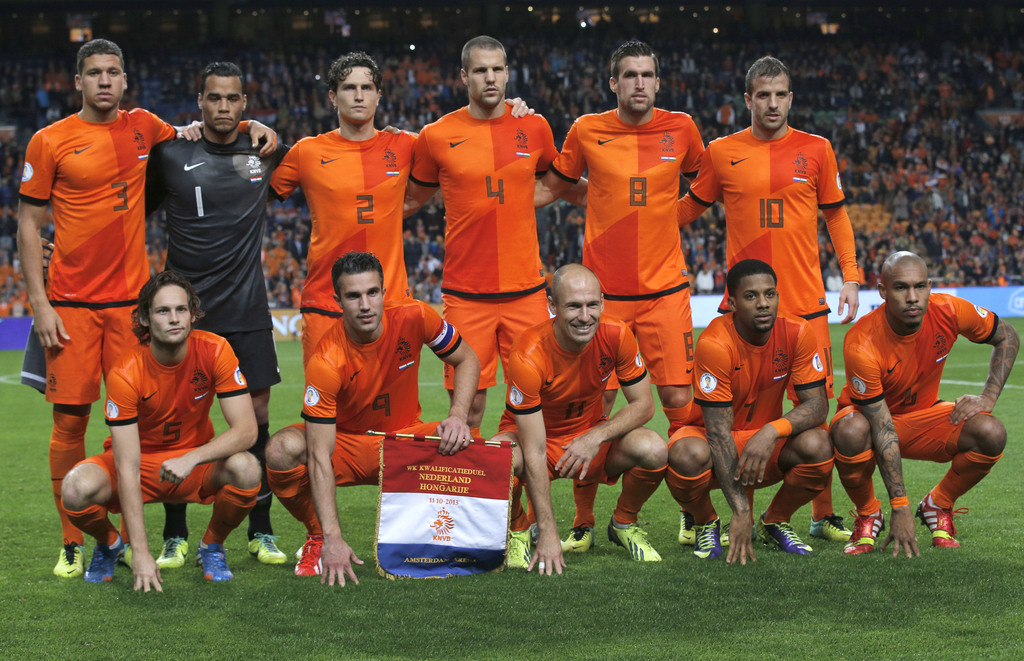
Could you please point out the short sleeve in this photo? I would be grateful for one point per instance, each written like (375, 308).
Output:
(323, 382)
(695, 150)
(228, 378)
(442, 338)
(39, 170)
(830, 188)
(706, 188)
(712, 367)
(571, 163)
(629, 364)
(974, 322)
(524, 383)
(808, 370)
(122, 405)
(425, 170)
(286, 175)
(863, 374)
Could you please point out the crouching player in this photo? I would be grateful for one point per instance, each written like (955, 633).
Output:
(557, 374)
(363, 376)
(743, 363)
(162, 446)
(890, 406)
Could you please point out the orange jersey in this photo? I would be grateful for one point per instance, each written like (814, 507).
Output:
(375, 386)
(631, 238)
(355, 191)
(772, 190)
(568, 386)
(171, 403)
(487, 170)
(94, 175)
(906, 369)
(752, 380)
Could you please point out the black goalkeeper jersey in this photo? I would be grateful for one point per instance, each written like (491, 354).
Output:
(215, 197)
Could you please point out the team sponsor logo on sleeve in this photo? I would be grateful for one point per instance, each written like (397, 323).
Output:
(239, 379)
(27, 172)
(858, 385)
(312, 397)
(708, 383)
(982, 312)
(515, 396)
(112, 410)
(816, 362)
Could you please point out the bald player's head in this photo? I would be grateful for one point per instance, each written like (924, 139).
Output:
(576, 304)
(899, 260)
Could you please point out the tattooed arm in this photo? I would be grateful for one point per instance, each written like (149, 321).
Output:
(1005, 343)
(809, 413)
(886, 445)
(718, 423)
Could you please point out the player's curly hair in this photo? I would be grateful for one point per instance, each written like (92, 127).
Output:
(98, 47)
(744, 268)
(632, 48)
(354, 262)
(148, 293)
(767, 67)
(342, 67)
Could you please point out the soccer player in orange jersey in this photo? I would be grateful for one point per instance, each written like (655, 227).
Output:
(555, 411)
(485, 161)
(890, 409)
(772, 180)
(363, 376)
(744, 362)
(162, 445)
(635, 156)
(354, 180)
(90, 169)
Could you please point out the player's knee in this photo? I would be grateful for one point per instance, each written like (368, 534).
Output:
(243, 470)
(286, 449)
(652, 452)
(81, 486)
(983, 434)
(690, 456)
(851, 434)
(675, 397)
(813, 446)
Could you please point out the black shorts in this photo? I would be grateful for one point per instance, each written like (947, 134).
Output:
(257, 356)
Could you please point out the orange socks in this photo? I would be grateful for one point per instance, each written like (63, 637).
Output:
(968, 469)
(693, 494)
(638, 485)
(230, 507)
(855, 473)
(800, 484)
(822, 506)
(93, 520)
(67, 448)
(584, 495)
(292, 488)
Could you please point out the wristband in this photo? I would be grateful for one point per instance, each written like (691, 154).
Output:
(899, 501)
(783, 426)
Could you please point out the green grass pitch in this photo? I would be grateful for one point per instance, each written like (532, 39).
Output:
(948, 603)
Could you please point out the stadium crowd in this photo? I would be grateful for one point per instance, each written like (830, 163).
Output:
(921, 166)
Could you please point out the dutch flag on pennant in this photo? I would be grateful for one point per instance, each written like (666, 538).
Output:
(442, 516)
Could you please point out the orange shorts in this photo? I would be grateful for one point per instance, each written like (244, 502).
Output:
(314, 327)
(490, 326)
(198, 487)
(98, 338)
(664, 330)
(356, 457)
(772, 472)
(596, 471)
(927, 434)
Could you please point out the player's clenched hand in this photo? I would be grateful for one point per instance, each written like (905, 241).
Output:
(579, 452)
(901, 533)
(176, 469)
(968, 406)
(49, 327)
(519, 107)
(336, 560)
(191, 132)
(455, 435)
(547, 556)
(147, 573)
(741, 539)
(755, 456)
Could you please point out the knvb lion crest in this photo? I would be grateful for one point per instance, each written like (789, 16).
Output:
(254, 164)
(389, 158)
(140, 140)
(668, 143)
(403, 349)
(443, 526)
(780, 361)
(941, 346)
(199, 381)
(522, 141)
(606, 366)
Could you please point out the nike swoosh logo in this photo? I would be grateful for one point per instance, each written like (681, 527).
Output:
(323, 162)
(604, 142)
(201, 396)
(889, 371)
(739, 161)
(453, 145)
(194, 166)
(147, 397)
(351, 378)
(79, 151)
(781, 376)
